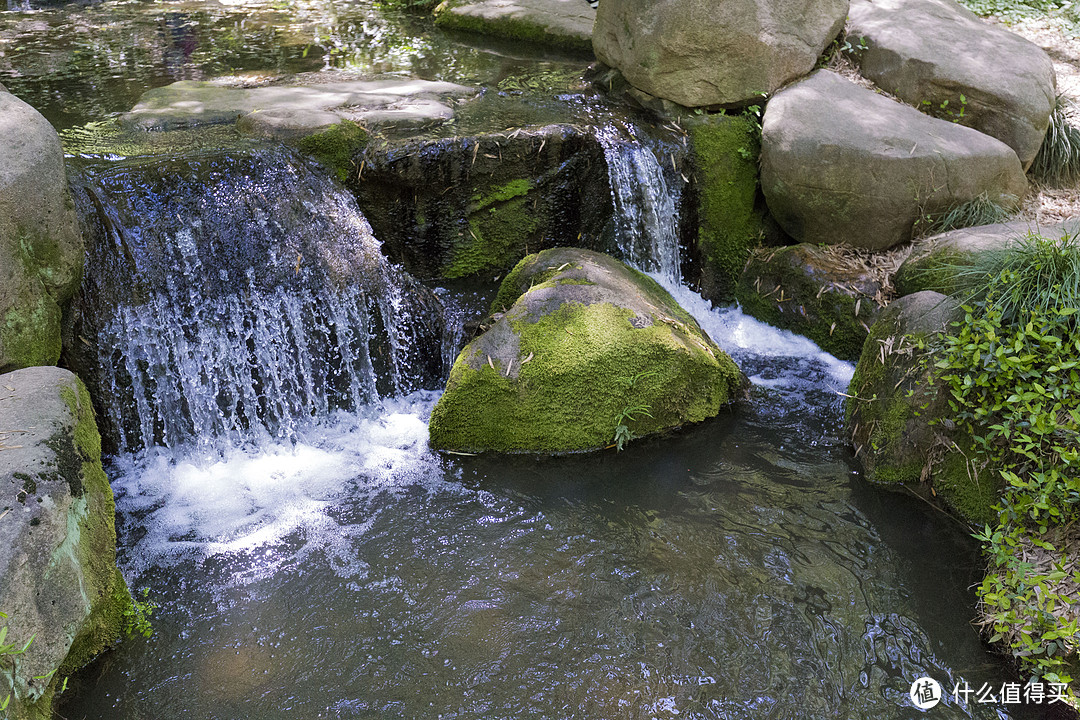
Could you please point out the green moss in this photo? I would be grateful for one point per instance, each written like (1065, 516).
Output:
(511, 28)
(568, 397)
(800, 304)
(30, 332)
(726, 151)
(936, 271)
(501, 222)
(336, 146)
(969, 491)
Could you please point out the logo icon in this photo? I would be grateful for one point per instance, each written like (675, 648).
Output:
(925, 693)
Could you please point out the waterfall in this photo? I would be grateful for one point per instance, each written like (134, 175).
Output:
(646, 207)
(234, 297)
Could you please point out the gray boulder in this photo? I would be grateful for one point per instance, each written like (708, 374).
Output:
(561, 23)
(585, 345)
(940, 57)
(842, 164)
(58, 579)
(899, 417)
(701, 52)
(935, 261)
(41, 250)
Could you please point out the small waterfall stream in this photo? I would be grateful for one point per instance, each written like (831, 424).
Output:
(237, 297)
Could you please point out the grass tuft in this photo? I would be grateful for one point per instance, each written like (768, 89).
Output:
(1058, 161)
(980, 211)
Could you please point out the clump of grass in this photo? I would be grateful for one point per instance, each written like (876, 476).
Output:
(1058, 161)
(1031, 274)
(980, 211)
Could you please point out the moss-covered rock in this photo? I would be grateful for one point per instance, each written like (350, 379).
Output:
(556, 23)
(41, 250)
(58, 578)
(472, 206)
(899, 422)
(829, 294)
(725, 153)
(587, 344)
(336, 146)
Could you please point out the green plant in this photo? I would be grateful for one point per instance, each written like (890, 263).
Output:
(944, 112)
(137, 615)
(1012, 373)
(980, 211)
(630, 412)
(8, 651)
(1058, 161)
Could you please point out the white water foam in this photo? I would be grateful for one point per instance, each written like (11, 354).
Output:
(738, 333)
(253, 502)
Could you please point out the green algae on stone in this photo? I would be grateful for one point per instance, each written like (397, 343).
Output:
(726, 150)
(586, 340)
(500, 222)
(336, 146)
(30, 331)
(524, 26)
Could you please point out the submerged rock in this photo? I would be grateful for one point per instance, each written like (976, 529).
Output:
(295, 107)
(899, 419)
(842, 164)
(935, 261)
(942, 58)
(561, 23)
(41, 250)
(700, 53)
(59, 584)
(828, 294)
(580, 344)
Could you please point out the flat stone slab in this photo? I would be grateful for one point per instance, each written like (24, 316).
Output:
(293, 108)
(931, 52)
(563, 23)
(840, 163)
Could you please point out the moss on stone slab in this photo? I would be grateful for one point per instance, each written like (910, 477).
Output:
(500, 223)
(512, 28)
(30, 332)
(725, 154)
(336, 146)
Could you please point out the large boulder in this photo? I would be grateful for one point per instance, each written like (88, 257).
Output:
(935, 262)
(842, 164)
(41, 250)
(899, 416)
(561, 23)
(59, 584)
(830, 294)
(579, 345)
(701, 53)
(939, 56)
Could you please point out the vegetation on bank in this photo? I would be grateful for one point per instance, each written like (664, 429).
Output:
(1012, 377)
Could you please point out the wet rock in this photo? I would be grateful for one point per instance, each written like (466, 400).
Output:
(474, 206)
(940, 57)
(560, 23)
(296, 106)
(58, 578)
(41, 250)
(935, 261)
(586, 345)
(842, 164)
(725, 151)
(701, 53)
(829, 294)
(899, 418)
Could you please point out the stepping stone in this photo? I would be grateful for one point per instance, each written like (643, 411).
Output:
(561, 23)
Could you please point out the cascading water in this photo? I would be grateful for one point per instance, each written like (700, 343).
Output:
(646, 205)
(235, 297)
